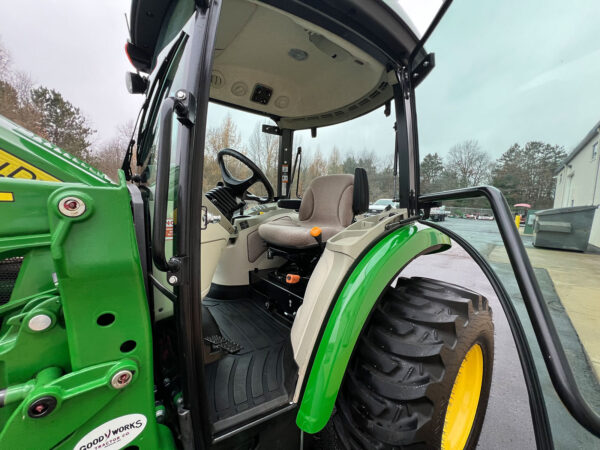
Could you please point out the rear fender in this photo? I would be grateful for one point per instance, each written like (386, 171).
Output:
(357, 297)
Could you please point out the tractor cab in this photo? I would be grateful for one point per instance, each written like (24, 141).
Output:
(272, 256)
(239, 293)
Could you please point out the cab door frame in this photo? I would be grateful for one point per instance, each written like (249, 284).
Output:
(194, 418)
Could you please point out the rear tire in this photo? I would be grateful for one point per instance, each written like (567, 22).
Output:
(399, 381)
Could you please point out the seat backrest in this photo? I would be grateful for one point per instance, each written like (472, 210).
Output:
(328, 201)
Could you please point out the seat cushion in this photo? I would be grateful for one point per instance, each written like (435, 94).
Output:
(327, 204)
(289, 233)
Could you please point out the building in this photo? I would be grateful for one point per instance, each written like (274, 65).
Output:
(578, 179)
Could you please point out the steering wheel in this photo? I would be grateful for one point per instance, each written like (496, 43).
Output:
(240, 187)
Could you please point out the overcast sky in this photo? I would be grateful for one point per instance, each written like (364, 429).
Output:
(76, 47)
(512, 71)
(506, 72)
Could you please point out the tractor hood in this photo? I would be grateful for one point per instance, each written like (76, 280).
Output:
(27, 156)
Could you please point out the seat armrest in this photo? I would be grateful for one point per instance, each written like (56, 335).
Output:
(289, 203)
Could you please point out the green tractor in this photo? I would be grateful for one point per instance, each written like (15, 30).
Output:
(149, 313)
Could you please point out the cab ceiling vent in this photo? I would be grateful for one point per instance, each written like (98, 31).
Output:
(9, 271)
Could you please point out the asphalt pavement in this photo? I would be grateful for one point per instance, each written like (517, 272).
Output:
(508, 423)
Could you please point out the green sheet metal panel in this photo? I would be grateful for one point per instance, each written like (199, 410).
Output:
(564, 228)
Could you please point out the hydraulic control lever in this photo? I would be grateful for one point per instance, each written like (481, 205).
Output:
(316, 233)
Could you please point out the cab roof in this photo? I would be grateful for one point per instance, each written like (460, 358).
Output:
(305, 63)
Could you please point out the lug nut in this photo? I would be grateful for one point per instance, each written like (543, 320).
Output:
(121, 379)
(71, 207)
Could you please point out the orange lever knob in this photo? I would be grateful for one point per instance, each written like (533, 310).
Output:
(292, 278)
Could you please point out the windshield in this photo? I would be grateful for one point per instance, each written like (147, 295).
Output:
(383, 202)
(242, 131)
(513, 102)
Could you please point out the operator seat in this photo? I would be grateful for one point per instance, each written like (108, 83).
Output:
(330, 203)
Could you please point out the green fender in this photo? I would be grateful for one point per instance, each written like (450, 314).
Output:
(364, 286)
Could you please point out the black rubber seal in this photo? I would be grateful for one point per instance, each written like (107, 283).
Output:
(42, 407)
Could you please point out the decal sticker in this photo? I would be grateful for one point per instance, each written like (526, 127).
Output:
(114, 434)
(169, 230)
(7, 197)
(13, 167)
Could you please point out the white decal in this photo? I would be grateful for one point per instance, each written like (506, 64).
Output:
(115, 434)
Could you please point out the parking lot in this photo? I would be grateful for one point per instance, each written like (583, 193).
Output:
(569, 282)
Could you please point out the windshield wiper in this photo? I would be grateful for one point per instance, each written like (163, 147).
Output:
(141, 117)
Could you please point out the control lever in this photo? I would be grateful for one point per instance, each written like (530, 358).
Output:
(316, 233)
(292, 278)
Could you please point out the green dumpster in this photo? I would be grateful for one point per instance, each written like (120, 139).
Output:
(529, 221)
(564, 228)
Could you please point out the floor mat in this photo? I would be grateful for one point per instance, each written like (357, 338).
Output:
(258, 378)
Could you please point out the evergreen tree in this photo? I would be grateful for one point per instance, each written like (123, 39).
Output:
(62, 123)
(432, 169)
(525, 174)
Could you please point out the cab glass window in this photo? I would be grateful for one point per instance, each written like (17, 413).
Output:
(239, 130)
(513, 102)
(343, 147)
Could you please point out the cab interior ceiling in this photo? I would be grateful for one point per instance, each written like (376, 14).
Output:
(308, 76)
(279, 65)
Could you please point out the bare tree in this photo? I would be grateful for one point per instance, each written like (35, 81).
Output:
(319, 164)
(4, 62)
(15, 99)
(109, 157)
(263, 149)
(225, 135)
(334, 164)
(469, 163)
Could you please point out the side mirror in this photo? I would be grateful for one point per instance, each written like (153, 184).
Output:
(136, 84)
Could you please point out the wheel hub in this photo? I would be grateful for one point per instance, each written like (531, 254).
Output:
(464, 399)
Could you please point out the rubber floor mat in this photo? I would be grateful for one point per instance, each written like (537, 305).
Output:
(258, 378)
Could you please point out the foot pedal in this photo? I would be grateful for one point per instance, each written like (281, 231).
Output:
(223, 343)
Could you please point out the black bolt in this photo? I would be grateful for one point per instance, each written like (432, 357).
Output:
(42, 407)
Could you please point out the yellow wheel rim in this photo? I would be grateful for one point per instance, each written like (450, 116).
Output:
(464, 400)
